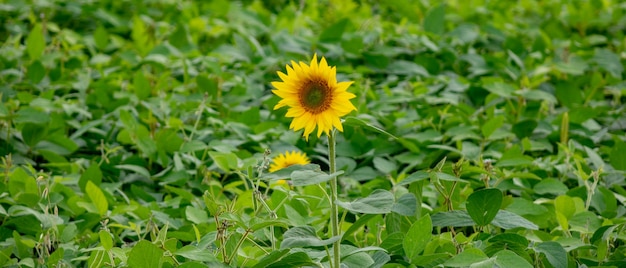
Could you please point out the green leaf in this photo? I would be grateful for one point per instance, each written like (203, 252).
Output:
(455, 218)
(434, 21)
(378, 202)
(35, 42)
(483, 205)
(362, 220)
(36, 72)
(574, 65)
(92, 174)
(22, 182)
(304, 236)
(101, 37)
(508, 259)
(491, 125)
(555, 253)
(97, 198)
(417, 237)
(272, 257)
(609, 61)
(136, 169)
(509, 220)
(617, 156)
(357, 122)
(333, 33)
(310, 177)
(385, 166)
(33, 133)
(195, 253)
(524, 128)
(466, 258)
(406, 205)
(145, 254)
(225, 161)
(416, 176)
(141, 85)
(30, 115)
(105, 240)
(501, 89)
(298, 259)
(196, 215)
(564, 205)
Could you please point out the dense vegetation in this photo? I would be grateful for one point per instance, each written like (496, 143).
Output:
(138, 134)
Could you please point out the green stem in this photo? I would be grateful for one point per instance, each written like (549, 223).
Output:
(334, 213)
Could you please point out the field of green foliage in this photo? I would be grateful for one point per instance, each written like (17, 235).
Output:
(140, 133)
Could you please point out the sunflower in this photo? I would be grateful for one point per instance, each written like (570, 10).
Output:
(313, 96)
(288, 159)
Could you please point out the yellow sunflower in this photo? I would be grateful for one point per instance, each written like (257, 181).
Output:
(313, 96)
(288, 159)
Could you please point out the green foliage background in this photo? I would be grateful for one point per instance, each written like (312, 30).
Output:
(134, 133)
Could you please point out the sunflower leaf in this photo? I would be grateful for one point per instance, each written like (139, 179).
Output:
(311, 177)
(353, 121)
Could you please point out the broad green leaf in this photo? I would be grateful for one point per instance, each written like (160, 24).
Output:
(101, 37)
(491, 125)
(30, 115)
(225, 161)
(285, 173)
(617, 156)
(135, 169)
(333, 33)
(455, 218)
(609, 61)
(33, 133)
(417, 237)
(565, 205)
(297, 259)
(466, 258)
(385, 166)
(35, 42)
(574, 65)
(310, 177)
(501, 89)
(363, 220)
(97, 198)
(556, 255)
(36, 72)
(483, 205)
(93, 174)
(509, 220)
(524, 128)
(141, 85)
(194, 253)
(105, 239)
(378, 202)
(145, 254)
(550, 186)
(416, 176)
(508, 259)
(21, 182)
(358, 122)
(304, 236)
(434, 21)
(196, 215)
(272, 257)
(406, 205)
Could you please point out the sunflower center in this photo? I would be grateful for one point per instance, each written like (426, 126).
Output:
(315, 96)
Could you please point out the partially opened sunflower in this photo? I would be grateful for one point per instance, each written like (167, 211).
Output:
(288, 159)
(314, 97)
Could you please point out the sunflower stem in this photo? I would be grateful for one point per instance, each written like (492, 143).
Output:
(334, 213)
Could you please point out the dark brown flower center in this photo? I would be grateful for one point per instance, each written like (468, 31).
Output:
(315, 96)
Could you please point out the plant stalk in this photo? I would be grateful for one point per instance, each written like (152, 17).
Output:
(334, 212)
